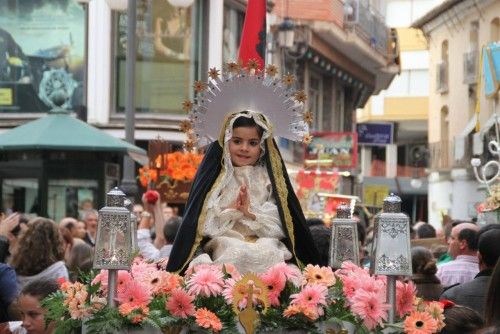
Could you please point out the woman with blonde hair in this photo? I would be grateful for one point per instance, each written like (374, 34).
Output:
(40, 253)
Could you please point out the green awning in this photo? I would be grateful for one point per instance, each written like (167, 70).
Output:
(60, 131)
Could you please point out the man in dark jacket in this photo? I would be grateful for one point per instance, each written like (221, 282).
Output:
(473, 293)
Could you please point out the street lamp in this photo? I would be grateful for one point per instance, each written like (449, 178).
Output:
(286, 33)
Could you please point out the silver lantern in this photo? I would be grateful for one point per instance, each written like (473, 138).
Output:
(392, 247)
(344, 243)
(113, 246)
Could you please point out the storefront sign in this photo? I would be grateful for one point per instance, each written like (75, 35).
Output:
(5, 97)
(332, 150)
(375, 133)
(374, 195)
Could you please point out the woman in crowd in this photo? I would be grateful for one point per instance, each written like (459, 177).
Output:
(424, 274)
(461, 320)
(40, 253)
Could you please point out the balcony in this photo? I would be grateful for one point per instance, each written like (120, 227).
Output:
(441, 155)
(470, 67)
(367, 23)
(378, 169)
(442, 77)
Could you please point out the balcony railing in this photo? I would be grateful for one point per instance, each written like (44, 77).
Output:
(442, 77)
(470, 67)
(378, 169)
(363, 19)
(441, 155)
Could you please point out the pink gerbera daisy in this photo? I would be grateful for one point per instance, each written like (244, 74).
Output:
(369, 307)
(275, 282)
(206, 282)
(405, 294)
(134, 294)
(319, 275)
(290, 272)
(311, 295)
(180, 303)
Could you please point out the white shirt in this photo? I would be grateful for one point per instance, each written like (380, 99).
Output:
(147, 249)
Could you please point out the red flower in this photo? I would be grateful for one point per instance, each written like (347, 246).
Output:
(61, 280)
(151, 196)
(446, 303)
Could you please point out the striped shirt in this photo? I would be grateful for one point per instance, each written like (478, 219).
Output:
(463, 269)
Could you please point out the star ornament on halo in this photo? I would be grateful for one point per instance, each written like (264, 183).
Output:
(214, 73)
(271, 70)
(233, 67)
(185, 126)
(189, 145)
(199, 86)
(300, 96)
(187, 106)
(288, 79)
(253, 64)
(308, 117)
(307, 139)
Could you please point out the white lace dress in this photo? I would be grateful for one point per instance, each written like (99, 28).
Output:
(250, 245)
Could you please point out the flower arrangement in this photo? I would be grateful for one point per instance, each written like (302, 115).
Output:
(179, 166)
(209, 297)
(492, 202)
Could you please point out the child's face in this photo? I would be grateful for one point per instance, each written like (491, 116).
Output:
(244, 146)
(32, 315)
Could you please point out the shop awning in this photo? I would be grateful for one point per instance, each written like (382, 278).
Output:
(60, 131)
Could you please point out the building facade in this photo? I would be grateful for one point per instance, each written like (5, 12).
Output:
(456, 31)
(398, 164)
(75, 52)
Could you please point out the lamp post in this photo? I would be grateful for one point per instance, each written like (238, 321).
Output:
(392, 247)
(113, 245)
(128, 183)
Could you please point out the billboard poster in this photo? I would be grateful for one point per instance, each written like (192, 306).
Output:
(332, 150)
(42, 45)
(164, 67)
(309, 184)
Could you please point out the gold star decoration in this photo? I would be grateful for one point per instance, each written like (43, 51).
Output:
(187, 106)
(271, 70)
(307, 139)
(300, 96)
(288, 79)
(253, 64)
(308, 117)
(188, 145)
(233, 67)
(199, 86)
(185, 126)
(214, 73)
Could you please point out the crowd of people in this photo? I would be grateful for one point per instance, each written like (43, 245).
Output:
(36, 255)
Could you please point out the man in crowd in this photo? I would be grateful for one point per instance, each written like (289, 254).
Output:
(90, 219)
(473, 293)
(462, 247)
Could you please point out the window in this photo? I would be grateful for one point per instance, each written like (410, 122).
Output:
(495, 30)
(316, 100)
(166, 58)
(233, 26)
(20, 195)
(41, 55)
(67, 197)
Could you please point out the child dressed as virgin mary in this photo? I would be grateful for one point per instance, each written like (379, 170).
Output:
(242, 208)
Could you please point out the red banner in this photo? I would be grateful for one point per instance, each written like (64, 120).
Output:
(253, 36)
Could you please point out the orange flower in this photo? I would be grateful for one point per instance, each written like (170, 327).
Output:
(147, 175)
(420, 323)
(207, 319)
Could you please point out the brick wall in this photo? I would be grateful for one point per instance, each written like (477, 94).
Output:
(317, 10)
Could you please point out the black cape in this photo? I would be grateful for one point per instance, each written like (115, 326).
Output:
(188, 239)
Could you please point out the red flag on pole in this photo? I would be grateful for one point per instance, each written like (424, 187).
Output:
(253, 37)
